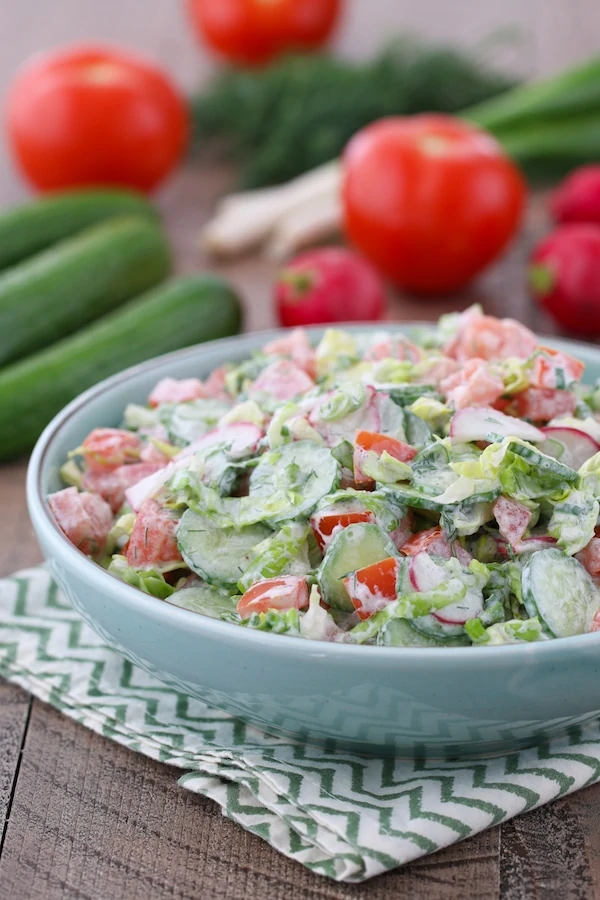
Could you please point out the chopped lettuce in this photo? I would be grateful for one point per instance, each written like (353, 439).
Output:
(275, 620)
(573, 521)
(150, 581)
(283, 553)
(515, 631)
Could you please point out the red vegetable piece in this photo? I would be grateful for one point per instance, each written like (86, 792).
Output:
(153, 542)
(577, 198)
(564, 277)
(85, 518)
(372, 587)
(328, 285)
(287, 592)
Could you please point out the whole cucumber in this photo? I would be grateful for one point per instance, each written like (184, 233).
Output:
(176, 314)
(31, 227)
(61, 289)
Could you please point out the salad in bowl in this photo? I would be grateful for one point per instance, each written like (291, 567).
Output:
(437, 490)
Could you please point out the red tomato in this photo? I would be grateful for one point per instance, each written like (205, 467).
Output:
(85, 518)
(433, 540)
(539, 405)
(324, 523)
(252, 32)
(111, 484)
(430, 200)
(287, 592)
(372, 587)
(380, 443)
(95, 116)
(330, 284)
(564, 276)
(153, 540)
(107, 448)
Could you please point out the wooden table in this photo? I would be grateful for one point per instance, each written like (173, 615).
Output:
(81, 817)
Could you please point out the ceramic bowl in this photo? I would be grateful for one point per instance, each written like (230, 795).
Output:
(374, 700)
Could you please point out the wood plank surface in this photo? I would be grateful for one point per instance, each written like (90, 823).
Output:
(81, 817)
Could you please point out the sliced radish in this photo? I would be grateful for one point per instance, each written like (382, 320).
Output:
(425, 574)
(150, 485)
(484, 423)
(460, 612)
(538, 542)
(240, 438)
(572, 446)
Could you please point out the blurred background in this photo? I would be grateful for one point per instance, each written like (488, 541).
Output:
(189, 101)
(540, 36)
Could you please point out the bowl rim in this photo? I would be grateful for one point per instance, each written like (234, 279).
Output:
(142, 603)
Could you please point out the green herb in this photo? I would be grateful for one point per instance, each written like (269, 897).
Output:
(300, 112)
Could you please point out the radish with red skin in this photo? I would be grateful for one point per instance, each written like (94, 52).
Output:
(482, 423)
(564, 277)
(424, 573)
(577, 198)
(460, 612)
(578, 446)
(331, 284)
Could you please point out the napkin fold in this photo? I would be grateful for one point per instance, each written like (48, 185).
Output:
(341, 815)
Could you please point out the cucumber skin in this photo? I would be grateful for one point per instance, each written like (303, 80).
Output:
(32, 227)
(60, 290)
(176, 314)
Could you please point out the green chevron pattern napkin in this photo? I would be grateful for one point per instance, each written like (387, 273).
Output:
(343, 816)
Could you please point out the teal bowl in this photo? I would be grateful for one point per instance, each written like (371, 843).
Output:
(406, 702)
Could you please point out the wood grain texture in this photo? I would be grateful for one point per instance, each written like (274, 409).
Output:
(89, 819)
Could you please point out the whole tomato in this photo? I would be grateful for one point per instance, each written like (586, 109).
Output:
(252, 32)
(431, 200)
(564, 276)
(95, 116)
(329, 284)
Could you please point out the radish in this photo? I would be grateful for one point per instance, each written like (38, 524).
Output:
(460, 612)
(571, 446)
(484, 424)
(425, 574)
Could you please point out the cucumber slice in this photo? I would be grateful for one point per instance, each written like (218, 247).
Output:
(441, 631)
(219, 555)
(558, 589)
(542, 462)
(353, 548)
(289, 481)
(187, 421)
(402, 633)
(407, 496)
(206, 599)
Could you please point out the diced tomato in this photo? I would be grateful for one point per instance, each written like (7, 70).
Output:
(283, 380)
(107, 448)
(327, 522)
(589, 557)
(473, 385)
(214, 386)
(486, 337)
(397, 347)
(153, 542)
(297, 346)
(374, 442)
(596, 622)
(438, 370)
(539, 405)
(435, 542)
(372, 587)
(174, 390)
(513, 520)
(544, 372)
(287, 592)
(85, 519)
(112, 484)
(151, 453)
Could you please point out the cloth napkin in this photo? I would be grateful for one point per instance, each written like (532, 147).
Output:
(341, 815)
